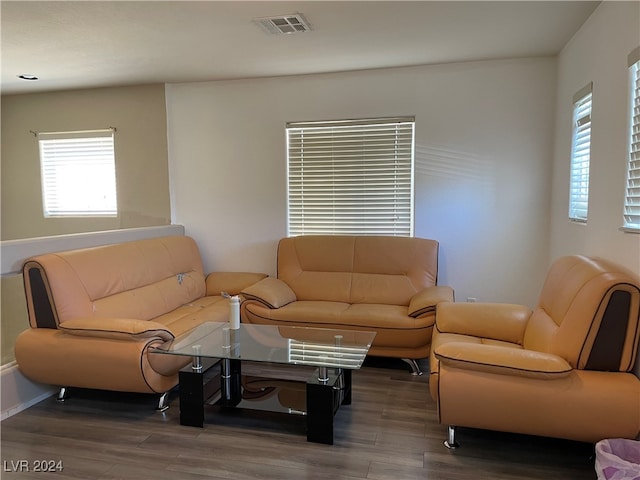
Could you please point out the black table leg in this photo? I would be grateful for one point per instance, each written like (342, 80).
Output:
(195, 388)
(323, 400)
(346, 375)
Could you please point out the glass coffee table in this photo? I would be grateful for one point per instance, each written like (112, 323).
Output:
(221, 358)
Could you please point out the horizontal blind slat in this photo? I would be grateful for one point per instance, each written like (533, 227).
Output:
(350, 177)
(580, 156)
(631, 217)
(78, 174)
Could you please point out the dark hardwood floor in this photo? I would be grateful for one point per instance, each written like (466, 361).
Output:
(389, 432)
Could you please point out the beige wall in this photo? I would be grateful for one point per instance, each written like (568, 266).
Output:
(14, 314)
(597, 53)
(139, 115)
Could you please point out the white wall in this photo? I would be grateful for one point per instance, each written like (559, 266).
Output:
(598, 52)
(484, 147)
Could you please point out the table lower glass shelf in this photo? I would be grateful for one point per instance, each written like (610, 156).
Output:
(315, 393)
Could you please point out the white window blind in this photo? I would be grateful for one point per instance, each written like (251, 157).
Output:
(78, 173)
(580, 155)
(351, 177)
(632, 197)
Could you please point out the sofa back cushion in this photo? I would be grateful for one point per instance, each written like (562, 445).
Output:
(141, 279)
(588, 313)
(357, 269)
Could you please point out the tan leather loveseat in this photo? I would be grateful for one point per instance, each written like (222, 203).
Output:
(375, 283)
(95, 312)
(562, 370)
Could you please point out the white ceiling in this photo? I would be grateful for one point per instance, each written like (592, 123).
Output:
(73, 44)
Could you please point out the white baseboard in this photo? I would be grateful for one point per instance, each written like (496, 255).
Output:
(18, 393)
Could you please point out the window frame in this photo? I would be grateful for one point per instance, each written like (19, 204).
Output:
(327, 151)
(580, 159)
(93, 152)
(631, 207)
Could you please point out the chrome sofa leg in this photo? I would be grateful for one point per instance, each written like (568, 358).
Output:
(450, 442)
(163, 402)
(62, 394)
(415, 368)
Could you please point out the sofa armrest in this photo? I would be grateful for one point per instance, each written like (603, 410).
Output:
(426, 301)
(272, 292)
(55, 357)
(117, 328)
(498, 321)
(501, 360)
(231, 282)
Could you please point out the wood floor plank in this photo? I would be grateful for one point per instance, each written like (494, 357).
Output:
(390, 432)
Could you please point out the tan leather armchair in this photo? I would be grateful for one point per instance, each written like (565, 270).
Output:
(562, 370)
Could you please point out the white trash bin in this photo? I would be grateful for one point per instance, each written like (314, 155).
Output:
(618, 459)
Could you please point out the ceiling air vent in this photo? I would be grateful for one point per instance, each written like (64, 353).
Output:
(294, 23)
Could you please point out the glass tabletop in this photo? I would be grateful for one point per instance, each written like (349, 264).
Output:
(320, 347)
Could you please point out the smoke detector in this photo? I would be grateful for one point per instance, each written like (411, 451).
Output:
(287, 24)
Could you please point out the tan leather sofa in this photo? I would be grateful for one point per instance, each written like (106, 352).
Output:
(95, 312)
(561, 370)
(374, 283)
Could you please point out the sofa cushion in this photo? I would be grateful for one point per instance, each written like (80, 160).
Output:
(231, 282)
(140, 279)
(272, 292)
(376, 316)
(357, 269)
(498, 321)
(502, 360)
(117, 328)
(372, 316)
(187, 317)
(394, 328)
(425, 302)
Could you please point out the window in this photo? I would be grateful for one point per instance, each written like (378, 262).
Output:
(78, 173)
(632, 197)
(580, 155)
(351, 177)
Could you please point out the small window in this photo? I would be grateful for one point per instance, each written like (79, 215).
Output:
(580, 156)
(78, 173)
(632, 197)
(350, 177)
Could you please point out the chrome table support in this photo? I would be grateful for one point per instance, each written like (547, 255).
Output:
(62, 394)
(163, 402)
(323, 374)
(226, 379)
(450, 442)
(415, 368)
